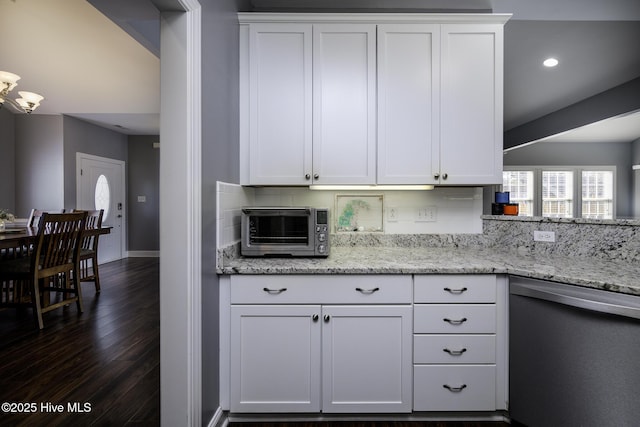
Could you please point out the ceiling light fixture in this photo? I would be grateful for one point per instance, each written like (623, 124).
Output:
(27, 102)
(550, 62)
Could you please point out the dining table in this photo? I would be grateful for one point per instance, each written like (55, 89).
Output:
(23, 236)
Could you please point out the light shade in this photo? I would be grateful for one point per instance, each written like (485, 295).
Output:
(8, 81)
(550, 62)
(28, 102)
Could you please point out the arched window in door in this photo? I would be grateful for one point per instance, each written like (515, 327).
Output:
(103, 195)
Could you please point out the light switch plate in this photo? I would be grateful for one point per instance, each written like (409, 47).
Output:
(426, 214)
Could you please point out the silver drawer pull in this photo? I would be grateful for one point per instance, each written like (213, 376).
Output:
(455, 389)
(367, 291)
(455, 291)
(274, 291)
(455, 322)
(455, 352)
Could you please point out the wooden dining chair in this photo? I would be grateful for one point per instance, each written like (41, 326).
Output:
(89, 249)
(52, 267)
(36, 215)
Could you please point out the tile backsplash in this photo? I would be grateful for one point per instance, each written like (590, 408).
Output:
(444, 210)
(230, 199)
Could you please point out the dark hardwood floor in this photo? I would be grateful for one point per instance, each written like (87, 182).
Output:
(374, 424)
(105, 362)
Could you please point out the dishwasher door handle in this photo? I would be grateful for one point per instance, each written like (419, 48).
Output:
(571, 298)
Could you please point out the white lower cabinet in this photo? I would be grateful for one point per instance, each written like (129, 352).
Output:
(455, 387)
(366, 359)
(275, 363)
(459, 343)
(364, 343)
(303, 357)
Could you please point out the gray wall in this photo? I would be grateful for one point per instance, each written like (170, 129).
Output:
(143, 172)
(220, 162)
(39, 163)
(38, 168)
(635, 147)
(84, 137)
(7, 161)
(583, 154)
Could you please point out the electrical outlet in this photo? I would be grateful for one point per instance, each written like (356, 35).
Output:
(544, 236)
(392, 214)
(426, 214)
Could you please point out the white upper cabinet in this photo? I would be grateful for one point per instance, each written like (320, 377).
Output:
(276, 122)
(440, 104)
(471, 104)
(344, 103)
(408, 95)
(371, 98)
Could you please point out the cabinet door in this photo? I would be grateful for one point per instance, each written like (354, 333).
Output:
(471, 104)
(279, 116)
(344, 103)
(408, 103)
(366, 359)
(275, 358)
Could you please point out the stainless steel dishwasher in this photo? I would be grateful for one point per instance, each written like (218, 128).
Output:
(574, 355)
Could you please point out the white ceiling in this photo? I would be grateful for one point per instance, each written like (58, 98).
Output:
(81, 62)
(623, 128)
(88, 67)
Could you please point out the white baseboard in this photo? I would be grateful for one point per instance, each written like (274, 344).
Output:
(219, 419)
(143, 254)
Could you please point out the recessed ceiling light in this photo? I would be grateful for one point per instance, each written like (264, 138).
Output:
(550, 62)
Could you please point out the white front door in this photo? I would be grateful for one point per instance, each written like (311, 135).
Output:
(100, 184)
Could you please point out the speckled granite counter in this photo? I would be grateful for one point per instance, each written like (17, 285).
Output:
(617, 276)
(591, 253)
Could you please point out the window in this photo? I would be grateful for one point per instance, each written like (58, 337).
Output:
(597, 194)
(562, 192)
(519, 184)
(557, 194)
(102, 196)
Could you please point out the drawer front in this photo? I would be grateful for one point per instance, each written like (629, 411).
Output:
(455, 288)
(454, 388)
(454, 319)
(321, 289)
(450, 349)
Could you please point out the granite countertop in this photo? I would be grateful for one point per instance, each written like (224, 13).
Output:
(616, 276)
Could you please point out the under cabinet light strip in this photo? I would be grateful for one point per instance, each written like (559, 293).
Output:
(370, 187)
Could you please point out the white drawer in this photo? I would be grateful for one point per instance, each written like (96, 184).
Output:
(457, 348)
(454, 319)
(471, 388)
(321, 289)
(455, 288)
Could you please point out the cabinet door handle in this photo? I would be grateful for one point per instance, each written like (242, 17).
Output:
(274, 291)
(455, 352)
(316, 176)
(327, 318)
(307, 176)
(367, 291)
(445, 176)
(455, 389)
(436, 176)
(315, 317)
(455, 291)
(455, 322)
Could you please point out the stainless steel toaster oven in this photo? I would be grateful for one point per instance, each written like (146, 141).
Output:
(285, 231)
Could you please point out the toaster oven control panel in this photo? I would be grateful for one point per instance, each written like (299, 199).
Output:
(322, 232)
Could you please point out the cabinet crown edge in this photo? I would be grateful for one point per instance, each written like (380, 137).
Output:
(376, 18)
